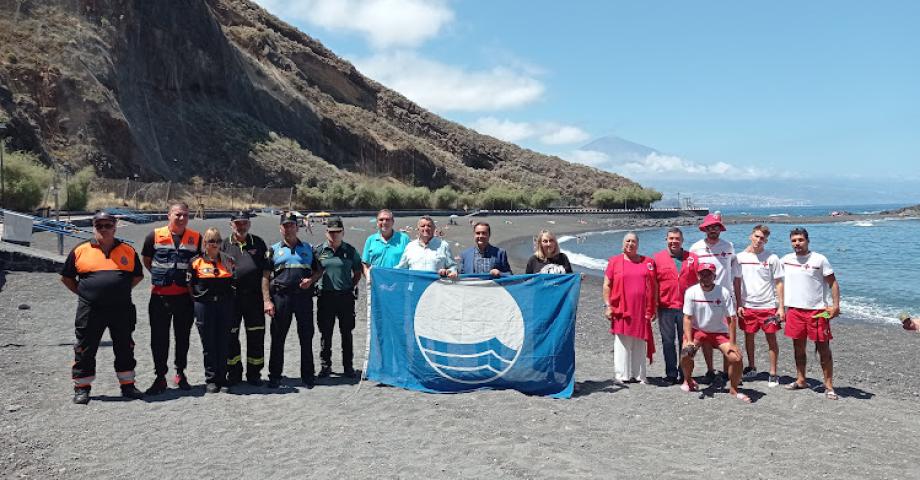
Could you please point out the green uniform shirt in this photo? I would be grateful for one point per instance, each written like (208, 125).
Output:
(339, 266)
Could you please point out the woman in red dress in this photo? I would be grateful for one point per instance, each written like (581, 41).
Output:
(630, 295)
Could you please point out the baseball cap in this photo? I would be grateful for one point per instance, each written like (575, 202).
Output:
(240, 215)
(334, 224)
(706, 266)
(714, 218)
(103, 215)
(289, 217)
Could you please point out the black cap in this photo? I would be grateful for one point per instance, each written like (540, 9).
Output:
(241, 215)
(288, 218)
(334, 224)
(103, 215)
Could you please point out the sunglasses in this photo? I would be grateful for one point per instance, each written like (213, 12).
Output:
(104, 226)
(214, 242)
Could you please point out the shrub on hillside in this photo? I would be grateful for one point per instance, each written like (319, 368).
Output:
(78, 189)
(496, 197)
(445, 198)
(544, 197)
(25, 181)
(626, 197)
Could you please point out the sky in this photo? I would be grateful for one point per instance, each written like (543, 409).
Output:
(817, 90)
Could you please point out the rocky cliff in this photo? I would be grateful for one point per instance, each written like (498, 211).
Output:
(223, 90)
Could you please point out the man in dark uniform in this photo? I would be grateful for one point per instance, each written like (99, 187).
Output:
(167, 253)
(102, 272)
(249, 253)
(338, 289)
(288, 284)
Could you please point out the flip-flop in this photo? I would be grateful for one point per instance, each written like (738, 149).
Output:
(795, 386)
(830, 395)
(744, 398)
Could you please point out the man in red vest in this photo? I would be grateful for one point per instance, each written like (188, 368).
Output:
(167, 254)
(676, 271)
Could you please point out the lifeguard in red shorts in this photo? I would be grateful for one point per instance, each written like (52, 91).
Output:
(709, 319)
(808, 277)
(761, 305)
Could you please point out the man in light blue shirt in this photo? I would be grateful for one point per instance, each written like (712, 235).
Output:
(428, 253)
(384, 248)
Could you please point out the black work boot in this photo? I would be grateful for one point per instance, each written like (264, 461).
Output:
(131, 392)
(159, 386)
(81, 395)
(181, 381)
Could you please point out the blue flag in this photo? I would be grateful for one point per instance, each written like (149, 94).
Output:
(438, 335)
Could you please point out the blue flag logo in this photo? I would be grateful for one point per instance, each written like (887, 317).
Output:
(436, 335)
(470, 332)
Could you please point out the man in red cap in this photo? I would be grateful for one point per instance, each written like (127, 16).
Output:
(721, 253)
(709, 319)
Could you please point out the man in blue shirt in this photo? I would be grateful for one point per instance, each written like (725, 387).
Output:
(384, 248)
(484, 258)
(287, 286)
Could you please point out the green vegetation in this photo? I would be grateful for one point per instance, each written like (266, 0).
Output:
(626, 197)
(77, 191)
(25, 181)
(342, 194)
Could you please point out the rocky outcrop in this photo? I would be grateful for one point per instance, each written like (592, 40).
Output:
(175, 88)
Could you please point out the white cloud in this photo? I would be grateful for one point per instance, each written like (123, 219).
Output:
(547, 132)
(440, 87)
(661, 166)
(564, 134)
(384, 23)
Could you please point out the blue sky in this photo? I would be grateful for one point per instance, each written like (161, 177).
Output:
(754, 90)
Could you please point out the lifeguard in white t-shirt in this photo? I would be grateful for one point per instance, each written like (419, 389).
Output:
(809, 278)
(709, 319)
(721, 253)
(761, 306)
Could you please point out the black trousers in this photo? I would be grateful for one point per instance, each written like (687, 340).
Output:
(90, 323)
(297, 304)
(332, 304)
(166, 310)
(248, 311)
(213, 320)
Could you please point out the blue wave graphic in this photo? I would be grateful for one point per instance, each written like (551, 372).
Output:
(468, 362)
(468, 349)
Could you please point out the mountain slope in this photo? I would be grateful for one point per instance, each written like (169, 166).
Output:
(223, 90)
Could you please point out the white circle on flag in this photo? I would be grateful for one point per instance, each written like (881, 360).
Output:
(469, 331)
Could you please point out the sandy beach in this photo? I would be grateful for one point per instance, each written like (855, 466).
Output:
(343, 429)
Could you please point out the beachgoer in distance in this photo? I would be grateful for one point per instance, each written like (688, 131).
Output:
(808, 277)
(546, 256)
(761, 306)
(709, 318)
(631, 297)
(908, 323)
(721, 253)
(675, 270)
(428, 253)
(484, 257)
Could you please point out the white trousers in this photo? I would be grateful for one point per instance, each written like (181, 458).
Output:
(629, 358)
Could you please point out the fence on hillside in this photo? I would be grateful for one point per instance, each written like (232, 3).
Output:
(107, 192)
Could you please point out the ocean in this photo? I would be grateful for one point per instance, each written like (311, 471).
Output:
(875, 264)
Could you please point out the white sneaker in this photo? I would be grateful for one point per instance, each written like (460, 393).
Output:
(774, 381)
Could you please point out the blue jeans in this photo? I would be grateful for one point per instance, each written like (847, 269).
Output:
(671, 326)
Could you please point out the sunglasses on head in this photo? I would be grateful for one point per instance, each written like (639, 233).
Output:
(104, 226)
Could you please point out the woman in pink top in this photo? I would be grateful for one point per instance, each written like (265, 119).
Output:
(630, 295)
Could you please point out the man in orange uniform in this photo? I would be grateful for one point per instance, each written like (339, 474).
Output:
(102, 272)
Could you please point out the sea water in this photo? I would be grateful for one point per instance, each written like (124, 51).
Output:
(876, 262)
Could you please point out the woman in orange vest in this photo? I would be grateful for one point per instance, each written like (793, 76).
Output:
(210, 280)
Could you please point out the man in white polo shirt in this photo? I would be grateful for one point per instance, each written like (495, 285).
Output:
(808, 277)
(721, 253)
(428, 253)
(709, 319)
(761, 306)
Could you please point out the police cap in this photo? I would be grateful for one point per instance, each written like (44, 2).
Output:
(334, 224)
(288, 217)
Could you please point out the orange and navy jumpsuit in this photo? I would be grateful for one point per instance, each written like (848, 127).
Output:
(104, 284)
(211, 285)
